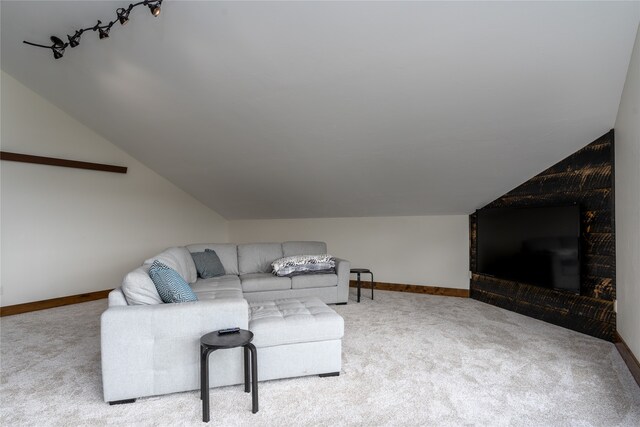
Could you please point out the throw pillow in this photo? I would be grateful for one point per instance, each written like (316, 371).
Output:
(208, 264)
(303, 264)
(170, 285)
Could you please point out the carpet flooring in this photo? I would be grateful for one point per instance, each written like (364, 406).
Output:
(408, 359)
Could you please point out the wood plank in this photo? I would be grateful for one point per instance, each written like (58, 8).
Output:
(598, 199)
(495, 285)
(576, 304)
(11, 310)
(597, 153)
(593, 327)
(473, 239)
(597, 221)
(598, 287)
(589, 178)
(599, 244)
(556, 300)
(52, 161)
(594, 265)
(590, 258)
(562, 318)
(493, 299)
(416, 289)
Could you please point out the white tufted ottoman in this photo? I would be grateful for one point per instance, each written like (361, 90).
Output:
(296, 337)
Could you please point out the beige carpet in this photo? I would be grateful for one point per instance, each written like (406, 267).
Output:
(407, 360)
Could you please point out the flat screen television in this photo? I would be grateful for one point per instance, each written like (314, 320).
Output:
(536, 246)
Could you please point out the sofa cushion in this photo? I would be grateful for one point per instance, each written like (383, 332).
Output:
(293, 320)
(178, 259)
(314, 281)
(207, 264)
(210, 294)
(223, 287)
(138, 288)
(260, 282)
(226, 282)
(257, 257)
(303, 248)
(227, 252)
(170, 285)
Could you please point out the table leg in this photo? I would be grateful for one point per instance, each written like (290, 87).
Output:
(358, 286)
(204, 385)
(202, 362)
(371, 286)
(247, 383)
(254, 378)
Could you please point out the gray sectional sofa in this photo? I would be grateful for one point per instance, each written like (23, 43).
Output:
(151, 348)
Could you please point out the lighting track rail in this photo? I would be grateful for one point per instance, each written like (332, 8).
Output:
(122, 16)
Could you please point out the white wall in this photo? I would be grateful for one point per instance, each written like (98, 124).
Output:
(69, 231)
(627, 198)
(419, 250)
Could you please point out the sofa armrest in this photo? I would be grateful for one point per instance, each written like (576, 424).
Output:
(116, 297)
(343, 270)
(139, 341)
(139, 321)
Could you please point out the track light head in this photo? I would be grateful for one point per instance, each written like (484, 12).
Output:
(155, 9)
(57, 41)
(74, 40)
(123, 15)
(104, 32)
(57, 47)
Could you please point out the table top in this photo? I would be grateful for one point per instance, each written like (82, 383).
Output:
(215, 341)
(360, 270)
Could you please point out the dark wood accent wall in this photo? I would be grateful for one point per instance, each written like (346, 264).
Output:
(586, 178)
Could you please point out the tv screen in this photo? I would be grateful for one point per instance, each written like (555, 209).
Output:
(537, 246)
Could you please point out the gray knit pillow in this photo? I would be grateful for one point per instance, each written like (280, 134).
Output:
(208, 264)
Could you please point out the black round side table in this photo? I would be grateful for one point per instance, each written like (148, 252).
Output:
(360, 271)
(212, 342)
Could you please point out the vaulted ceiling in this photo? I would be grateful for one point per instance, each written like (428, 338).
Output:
(333, 109)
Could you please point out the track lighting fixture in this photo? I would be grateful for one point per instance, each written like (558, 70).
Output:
(74, 40)
(104, 32)
(58, 47)
(155, 9)
(122, 16)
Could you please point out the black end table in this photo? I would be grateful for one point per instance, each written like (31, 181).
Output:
(360, 271)
(212, 342)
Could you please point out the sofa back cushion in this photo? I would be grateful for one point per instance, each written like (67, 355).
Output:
(138, 288)
(257, 257)
(304, 248)
(178, 259)
(227, 252)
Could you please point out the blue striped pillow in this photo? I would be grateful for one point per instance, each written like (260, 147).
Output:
(170, 285)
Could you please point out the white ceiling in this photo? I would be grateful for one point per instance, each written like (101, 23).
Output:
(332, 109)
